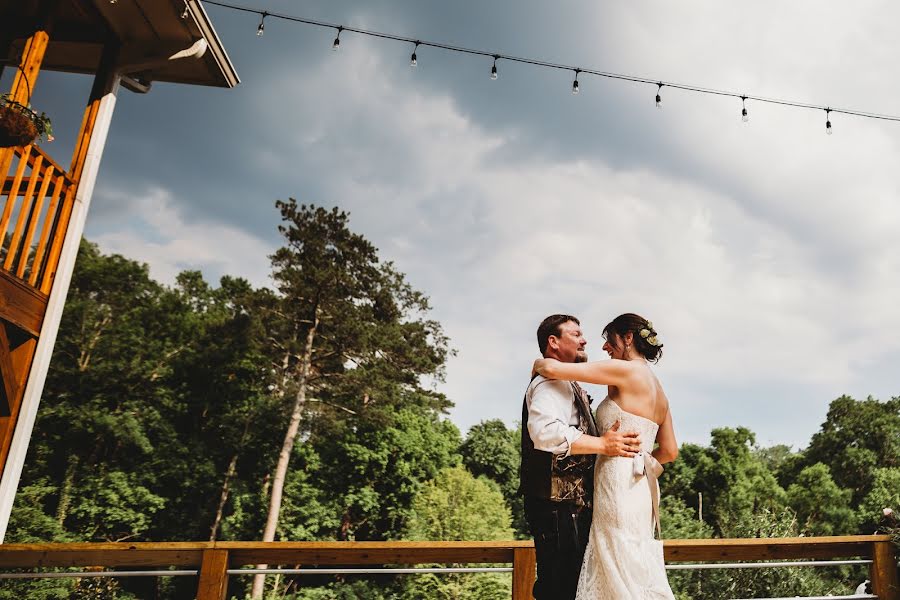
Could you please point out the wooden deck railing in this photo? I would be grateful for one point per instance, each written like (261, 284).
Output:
(36, 196)
(213, 560)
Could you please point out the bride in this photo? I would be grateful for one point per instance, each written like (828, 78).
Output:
(624, 560)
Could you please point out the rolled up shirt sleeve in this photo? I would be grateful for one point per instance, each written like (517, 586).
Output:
(550, 414)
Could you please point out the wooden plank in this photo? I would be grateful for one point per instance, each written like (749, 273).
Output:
(33, 221)
(46, 228)
(109, 60)
(24, 211)
(88, 121)
(13, 194)
(281, 555)
(364, 553)
(213, 582)
(9, 390)
(22, 357)
(767, 548)
(59, 236)
(177, 554)
(524, 573)
(21, 304)
(885, 582)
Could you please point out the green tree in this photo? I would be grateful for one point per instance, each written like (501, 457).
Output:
(857, 437)
(821, 506)
(493, 451)
(884, 493)
(347, 332)
(458, 506)
(735, 480)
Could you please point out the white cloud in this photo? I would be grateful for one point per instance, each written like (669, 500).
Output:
(156, 232)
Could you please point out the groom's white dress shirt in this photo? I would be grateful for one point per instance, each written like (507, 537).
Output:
(552, 415)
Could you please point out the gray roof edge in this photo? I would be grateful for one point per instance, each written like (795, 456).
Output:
(215, 44)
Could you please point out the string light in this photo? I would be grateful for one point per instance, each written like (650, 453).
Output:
(828, 121)
(413, 61)
(262, 24)
(575, 83)
(551, 65)
(336, 45)
(745, 116)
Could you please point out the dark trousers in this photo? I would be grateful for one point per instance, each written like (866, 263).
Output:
(561, 531)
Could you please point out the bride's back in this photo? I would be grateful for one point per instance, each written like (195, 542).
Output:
(642, 395)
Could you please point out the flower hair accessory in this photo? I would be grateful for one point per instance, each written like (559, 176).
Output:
(648, 334)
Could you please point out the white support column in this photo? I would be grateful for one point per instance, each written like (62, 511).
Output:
(34, 387)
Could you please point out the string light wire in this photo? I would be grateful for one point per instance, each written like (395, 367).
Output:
(551, 65)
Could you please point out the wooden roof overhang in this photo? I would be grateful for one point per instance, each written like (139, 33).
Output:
(147, 32)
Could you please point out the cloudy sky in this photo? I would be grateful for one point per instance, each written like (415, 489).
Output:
(766, 253)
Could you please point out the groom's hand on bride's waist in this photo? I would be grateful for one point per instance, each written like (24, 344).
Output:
(612, 443)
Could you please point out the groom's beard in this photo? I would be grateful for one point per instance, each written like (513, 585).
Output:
(581, 356)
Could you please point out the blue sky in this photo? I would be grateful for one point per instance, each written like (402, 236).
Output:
(766, 253)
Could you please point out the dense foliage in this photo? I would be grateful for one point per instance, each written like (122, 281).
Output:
(166, 409)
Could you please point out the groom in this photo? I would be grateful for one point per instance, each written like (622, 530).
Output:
(559, 442)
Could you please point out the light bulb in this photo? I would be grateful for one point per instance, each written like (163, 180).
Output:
(494, 71)
(828, 129)
(186, 11)
(413, 61)
(336, 45)
(262, 25)
(745, 116)
(575, 87)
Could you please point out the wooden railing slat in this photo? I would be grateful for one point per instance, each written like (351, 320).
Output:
(37, 264)
(59, 236)
(24, 210)
(13, 193)
(33, 219)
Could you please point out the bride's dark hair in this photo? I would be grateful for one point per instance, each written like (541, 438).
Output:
(645, 340)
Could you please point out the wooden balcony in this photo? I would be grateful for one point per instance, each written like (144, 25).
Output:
(36, 196)
(214, 562)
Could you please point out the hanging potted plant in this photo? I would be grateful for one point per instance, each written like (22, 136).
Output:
(19, 124)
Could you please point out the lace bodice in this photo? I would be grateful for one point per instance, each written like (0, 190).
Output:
(608, 412)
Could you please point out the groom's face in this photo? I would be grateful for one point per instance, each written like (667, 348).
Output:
(570, 343)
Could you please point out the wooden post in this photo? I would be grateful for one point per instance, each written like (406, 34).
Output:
(61, 262)
(29, 67)
(213, 575)
(524, 573)
(885, 583)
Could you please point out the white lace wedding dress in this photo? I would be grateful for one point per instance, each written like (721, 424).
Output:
(623, 560)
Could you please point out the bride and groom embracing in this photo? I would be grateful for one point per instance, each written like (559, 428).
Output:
(589, 480)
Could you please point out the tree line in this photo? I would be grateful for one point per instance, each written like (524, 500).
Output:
(311, 410)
